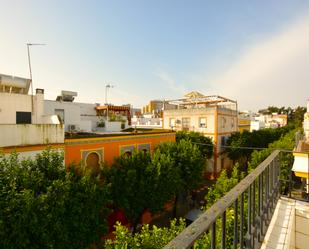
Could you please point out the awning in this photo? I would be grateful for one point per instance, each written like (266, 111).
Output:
(301, 165)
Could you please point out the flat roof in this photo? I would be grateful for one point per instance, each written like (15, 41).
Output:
(201, 99)
(127, 132)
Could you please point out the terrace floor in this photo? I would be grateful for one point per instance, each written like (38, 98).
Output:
(289, 226)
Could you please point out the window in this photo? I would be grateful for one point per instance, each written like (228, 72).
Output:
(92, 159)
(142, 147)
(127, 150)
(172, 122)
(223, 140)
(203, 122)
(23, 117)
(127, 154)
(223, 122)
(92, 162)
(185, 124)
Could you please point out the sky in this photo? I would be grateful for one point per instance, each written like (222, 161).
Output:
(255, 52)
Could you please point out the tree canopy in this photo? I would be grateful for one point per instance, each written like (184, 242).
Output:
(44, 206)
(204, 143)
(141, 182)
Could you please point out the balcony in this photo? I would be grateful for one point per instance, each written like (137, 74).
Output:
(261, 217)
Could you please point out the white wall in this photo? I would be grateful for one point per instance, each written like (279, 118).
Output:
(11, 103)
(30, 134)
(80, 114)
(194, 115)
(32, 154)
(229, 126)
(256, 125)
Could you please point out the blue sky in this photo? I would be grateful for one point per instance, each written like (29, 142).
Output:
(256, 52)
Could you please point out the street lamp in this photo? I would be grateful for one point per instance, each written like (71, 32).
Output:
(106, 88)
(29, 61)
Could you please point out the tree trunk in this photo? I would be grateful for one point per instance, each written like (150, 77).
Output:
(175, 206)
(136, 222)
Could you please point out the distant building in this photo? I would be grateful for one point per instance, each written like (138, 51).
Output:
(244, 121)
(214, 116)
(155, 107)
(256, 125)
(87, 117)
(24, 127)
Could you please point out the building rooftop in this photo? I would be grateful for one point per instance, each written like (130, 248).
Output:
(126, 132)
(13, 84)
(196, 98)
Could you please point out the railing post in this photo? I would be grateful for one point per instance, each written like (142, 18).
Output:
(241, 237)
(253, 213)
(260, 193)
(213, 235)
(235, 223)
(249, 217)
(223, 230)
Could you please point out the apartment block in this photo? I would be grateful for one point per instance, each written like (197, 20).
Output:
(214, 116)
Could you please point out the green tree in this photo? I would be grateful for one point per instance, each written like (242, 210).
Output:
(241, 145)
(155, 238)
(204, 143)
(139, 183)
(44, 206)
(188, 161)
(298, 116)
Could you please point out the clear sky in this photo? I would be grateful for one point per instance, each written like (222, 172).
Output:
(256, 52)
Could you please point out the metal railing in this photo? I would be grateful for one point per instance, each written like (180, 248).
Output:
(257, 193)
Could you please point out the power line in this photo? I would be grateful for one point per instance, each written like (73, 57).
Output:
(244, 147)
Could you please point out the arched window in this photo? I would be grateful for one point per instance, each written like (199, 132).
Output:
(93, 162)
(127, 154)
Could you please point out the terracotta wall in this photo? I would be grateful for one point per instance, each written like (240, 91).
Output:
(110, 147)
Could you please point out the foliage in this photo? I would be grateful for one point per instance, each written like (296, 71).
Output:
(240, 144)
(139, 183)
(298, 116)
(187, 160)
(223, 185)
(205, 144)
(44, 206)
(155, 238)
(286, 159)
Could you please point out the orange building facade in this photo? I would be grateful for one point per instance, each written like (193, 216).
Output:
(92, 151)
(95, 150)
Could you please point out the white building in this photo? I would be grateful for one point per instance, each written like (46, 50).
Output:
(147, 121)
(84, 117)
(213, 116)
(23, 126)
(256, 125)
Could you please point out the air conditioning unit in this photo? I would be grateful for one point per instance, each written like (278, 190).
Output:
(73, 128)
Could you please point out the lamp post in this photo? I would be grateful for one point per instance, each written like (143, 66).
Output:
(106, 88)
(106, 103)
(29, 62)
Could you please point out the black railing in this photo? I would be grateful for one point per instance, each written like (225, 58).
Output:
(258, 193)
